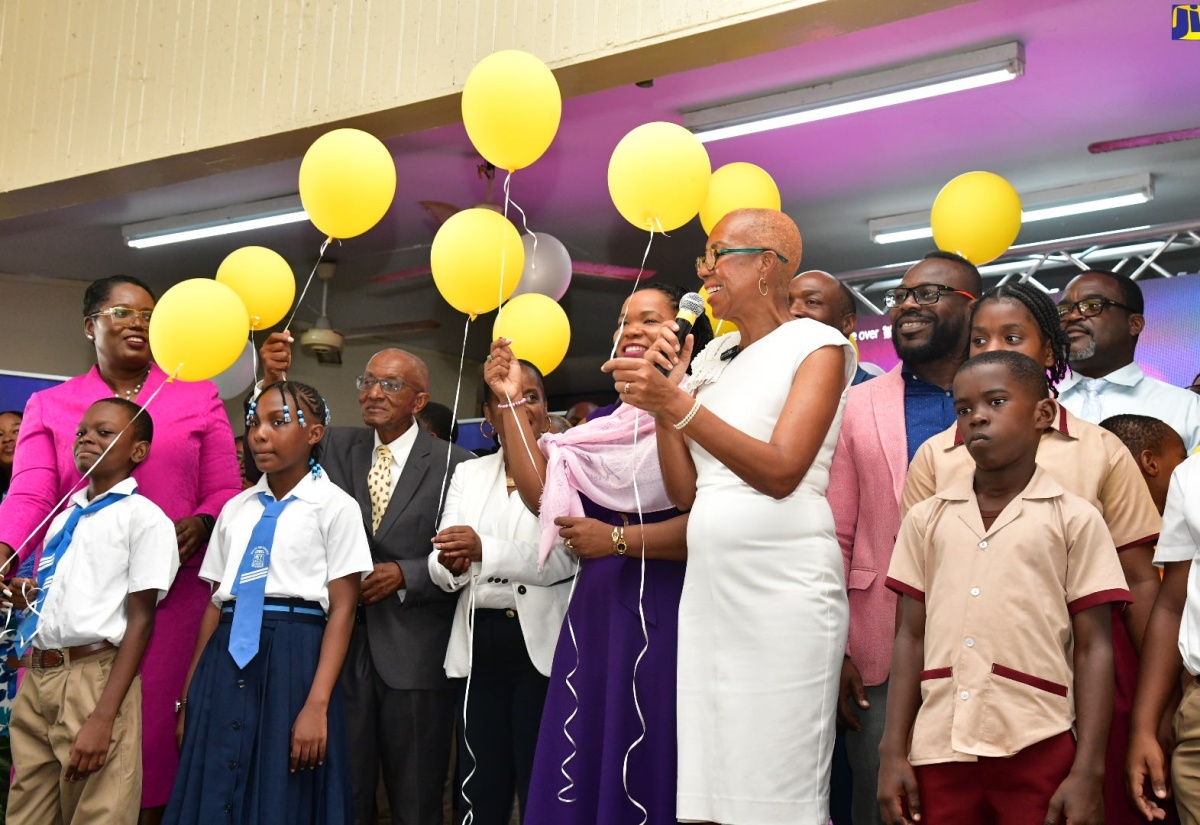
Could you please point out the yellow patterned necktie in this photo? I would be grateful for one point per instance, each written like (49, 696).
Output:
(379, 484)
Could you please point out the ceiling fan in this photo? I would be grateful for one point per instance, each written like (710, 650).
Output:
(441, 212)
(324, 343)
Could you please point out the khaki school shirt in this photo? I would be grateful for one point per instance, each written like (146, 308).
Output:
(998, 669)
(1085, 459)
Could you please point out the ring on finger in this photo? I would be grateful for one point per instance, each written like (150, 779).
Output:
(567, 542)
(489, 358)
(625, 391)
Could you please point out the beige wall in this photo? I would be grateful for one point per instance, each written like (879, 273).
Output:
(170, 91)
(43, 333)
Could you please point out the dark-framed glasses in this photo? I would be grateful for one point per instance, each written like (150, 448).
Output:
(1089, 307)
(125, 315)
(711, 256)
(923, 294)
(391, 386)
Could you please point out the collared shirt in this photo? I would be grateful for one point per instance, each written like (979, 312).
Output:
(1129, 390)
(1180, 541)
(928, 409)
(400, 446)
(1085, 459)
(125, 548)
(998, 672)
(319, 538)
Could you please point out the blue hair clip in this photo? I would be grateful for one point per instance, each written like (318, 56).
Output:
(316, 468)
(251, 410)
(300, 416)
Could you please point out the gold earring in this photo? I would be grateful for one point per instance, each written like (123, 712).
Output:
(762, 287)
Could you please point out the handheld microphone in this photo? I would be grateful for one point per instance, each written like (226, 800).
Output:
(691, 307)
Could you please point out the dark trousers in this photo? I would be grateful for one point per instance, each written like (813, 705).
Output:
(407, 733)
(1013, 790)
(504, 712)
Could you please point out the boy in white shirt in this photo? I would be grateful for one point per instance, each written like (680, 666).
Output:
(76, 723)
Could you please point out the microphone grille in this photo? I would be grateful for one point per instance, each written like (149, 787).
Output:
(693, 303)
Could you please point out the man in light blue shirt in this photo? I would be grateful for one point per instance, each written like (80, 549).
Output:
(1103, 315)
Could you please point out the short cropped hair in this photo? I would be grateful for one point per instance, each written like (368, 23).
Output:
(1024, 370)
(143, 426)
(1131, 293)
(98, 291)
(1139, 432)
(974, 279)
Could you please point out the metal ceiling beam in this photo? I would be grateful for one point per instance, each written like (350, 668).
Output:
(1076, 251)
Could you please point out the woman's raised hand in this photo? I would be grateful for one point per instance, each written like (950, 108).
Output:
(640, 382)
(502, 371)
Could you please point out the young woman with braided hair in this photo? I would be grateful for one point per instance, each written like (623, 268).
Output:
(1087, 461)
(264, 738)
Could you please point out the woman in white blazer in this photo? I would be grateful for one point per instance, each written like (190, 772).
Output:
(508, 617)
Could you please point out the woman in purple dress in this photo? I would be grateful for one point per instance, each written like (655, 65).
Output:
(596, 763)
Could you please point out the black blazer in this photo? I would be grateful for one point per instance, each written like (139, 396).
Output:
(408, 638)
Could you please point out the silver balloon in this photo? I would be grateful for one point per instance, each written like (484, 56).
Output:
(547, 269)
(238, 378)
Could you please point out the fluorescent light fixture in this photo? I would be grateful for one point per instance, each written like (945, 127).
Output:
(860, 93)
(215, 222)
(1042, 205)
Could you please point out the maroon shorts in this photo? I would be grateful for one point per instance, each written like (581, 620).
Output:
(1010, 790)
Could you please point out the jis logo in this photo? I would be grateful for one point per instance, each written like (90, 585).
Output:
(258, 558)
(1185, 22)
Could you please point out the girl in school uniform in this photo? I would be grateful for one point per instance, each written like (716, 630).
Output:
(261, 719)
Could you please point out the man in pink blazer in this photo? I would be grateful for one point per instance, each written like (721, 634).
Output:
(884, 423)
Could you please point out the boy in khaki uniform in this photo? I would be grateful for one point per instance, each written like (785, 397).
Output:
(76, 722)
(1007, 581)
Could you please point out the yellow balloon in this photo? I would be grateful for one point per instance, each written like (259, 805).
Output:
(477, 259)
(738, 186)
(538, 328)
(658, 176)
(976, 215)
(199, 328)
(511, 106)
(347, 182)
(719, 327)
(263, 280)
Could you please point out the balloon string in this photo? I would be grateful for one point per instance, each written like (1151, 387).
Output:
(462, 358)
(469, 818)
(303, 292)
(637, 705)
(636, 281)
(524, 219)
(574, 694)
(254, 358)
(76, 486)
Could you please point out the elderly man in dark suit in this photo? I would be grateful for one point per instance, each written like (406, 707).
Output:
(399, 703)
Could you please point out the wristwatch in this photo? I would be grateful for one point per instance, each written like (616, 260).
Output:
(180, 704)
(618, 537)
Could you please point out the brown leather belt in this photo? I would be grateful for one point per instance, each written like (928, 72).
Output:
(56, 657)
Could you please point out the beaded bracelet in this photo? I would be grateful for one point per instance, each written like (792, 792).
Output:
(687, 419)
(518, 403)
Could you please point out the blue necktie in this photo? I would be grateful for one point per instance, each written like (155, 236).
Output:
(250, 587)
(56, 548)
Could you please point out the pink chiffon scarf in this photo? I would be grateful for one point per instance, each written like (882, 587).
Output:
(601, 459)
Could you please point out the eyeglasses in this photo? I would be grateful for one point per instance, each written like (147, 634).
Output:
(923, 294)
(1089, 307)
(711, 256)
(125, 314)
(391, 386)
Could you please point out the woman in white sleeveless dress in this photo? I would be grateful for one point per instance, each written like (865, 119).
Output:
(745, 445)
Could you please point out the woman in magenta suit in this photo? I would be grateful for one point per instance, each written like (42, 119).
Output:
(191, 472)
